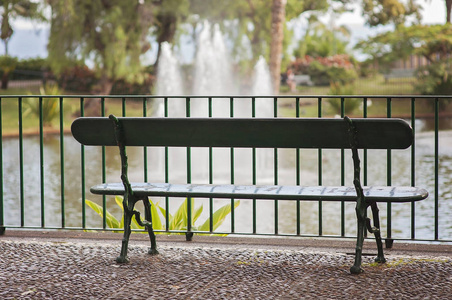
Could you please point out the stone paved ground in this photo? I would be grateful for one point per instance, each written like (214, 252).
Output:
(66, 269)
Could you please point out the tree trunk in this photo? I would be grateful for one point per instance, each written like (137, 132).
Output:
(448, 10)
(5, 79)
(167, 31)
(105, 85)
(277, 35)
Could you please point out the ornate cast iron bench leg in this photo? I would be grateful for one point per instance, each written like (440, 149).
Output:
(130, 200)
(148, 215)
(361, 208)
(128, 205)
(361, 216)
(376, 231)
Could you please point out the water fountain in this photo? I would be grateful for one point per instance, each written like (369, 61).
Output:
(213, 76)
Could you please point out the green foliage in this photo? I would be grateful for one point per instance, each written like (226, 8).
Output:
(113, 34)
(177, 222)
(50, 109)
(248, 23)
(31, 68)
(435, 79)
(12, 9)
(429, 41)
(324, 70)
(122, 87)
(320, 40)
(350, 104)
(434, 42)
(78, 78)
(8, 64)
(381, 12)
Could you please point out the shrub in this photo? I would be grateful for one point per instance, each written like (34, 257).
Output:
(350, 105)
(32, 68)
(324, 70)
(50, 109)
(7, 66)
(122, 87)
(435, 79)
(79, 79)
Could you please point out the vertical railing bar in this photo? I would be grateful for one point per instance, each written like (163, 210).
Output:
(365, 150)
(189, 208)
(231, 114)
(389, 172)
(275, 167)
(145, 149)
(104, 171)
(2, 208)
(82, 158)
(123, 102)
(41, 160)
(320, 174)
(297, 166)
(62, 170)
(210, 172)
(21, 164)
(413, 166)
(165, 106)
(436, 168)
(342, 173)
(365, 155)
(253, 115)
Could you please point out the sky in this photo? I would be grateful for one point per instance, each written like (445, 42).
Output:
(30, 38)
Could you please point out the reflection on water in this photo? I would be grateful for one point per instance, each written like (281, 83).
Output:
(243, 174)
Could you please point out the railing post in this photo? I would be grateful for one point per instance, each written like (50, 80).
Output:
(413, 166)
(389, 240)
(41, 159)
(436, 168)
(189, 234)
(231, 114)
(21, 164)
(2, 210)
(62, 180)
(320, 174)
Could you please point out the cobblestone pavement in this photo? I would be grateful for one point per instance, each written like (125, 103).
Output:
(85, 269)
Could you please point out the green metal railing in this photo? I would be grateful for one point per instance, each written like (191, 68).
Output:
(36, 175)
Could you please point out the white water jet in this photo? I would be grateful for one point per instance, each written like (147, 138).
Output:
(169, 81)
(262, 83)
(213, 75)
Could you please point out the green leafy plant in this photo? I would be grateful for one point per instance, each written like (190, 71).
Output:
(177, 222)
(7, 66)
(50, 108)
(350, 105)
(435, 79)
(324, 70)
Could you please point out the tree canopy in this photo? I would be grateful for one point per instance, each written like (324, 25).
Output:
(382, 12)
(12, 9)
(113, 34)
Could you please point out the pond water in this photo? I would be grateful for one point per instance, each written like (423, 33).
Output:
(401, 170)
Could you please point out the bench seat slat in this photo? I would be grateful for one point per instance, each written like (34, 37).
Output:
(328, 193)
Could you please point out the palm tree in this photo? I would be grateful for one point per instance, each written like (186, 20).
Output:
(277, 35)
(13, 9)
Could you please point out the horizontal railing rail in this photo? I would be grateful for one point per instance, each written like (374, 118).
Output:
(46, 175)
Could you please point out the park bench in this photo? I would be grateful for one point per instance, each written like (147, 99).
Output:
(398, 73)
(295, 133)
(303, 80)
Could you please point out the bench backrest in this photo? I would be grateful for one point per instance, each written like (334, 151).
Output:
(253, 132)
